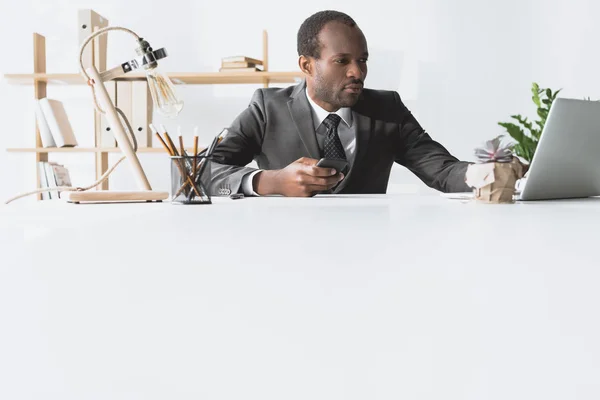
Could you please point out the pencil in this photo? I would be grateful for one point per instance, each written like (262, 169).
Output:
(182, 168)
(171, 144)
(161, 140)
(181, 148)
(195, 154)
(163, 143)
(169, 141)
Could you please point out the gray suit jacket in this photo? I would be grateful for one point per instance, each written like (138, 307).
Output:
(277, 129)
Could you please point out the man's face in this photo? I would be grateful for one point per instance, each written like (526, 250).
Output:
(338, 75)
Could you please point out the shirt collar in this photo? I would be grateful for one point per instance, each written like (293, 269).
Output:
(345, 113)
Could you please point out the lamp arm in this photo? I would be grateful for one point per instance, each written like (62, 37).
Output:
(94, 35)
(122, 131)
(82, 48)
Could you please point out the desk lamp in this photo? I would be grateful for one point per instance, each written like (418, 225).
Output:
(164, 100)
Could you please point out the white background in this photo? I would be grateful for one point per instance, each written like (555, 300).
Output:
(461, 66)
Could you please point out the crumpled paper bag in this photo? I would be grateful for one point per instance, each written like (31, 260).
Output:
(494, 182)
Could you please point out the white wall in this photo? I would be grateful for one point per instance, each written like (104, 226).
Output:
(461, 65)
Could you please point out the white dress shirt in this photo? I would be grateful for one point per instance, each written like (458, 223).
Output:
(346, 132)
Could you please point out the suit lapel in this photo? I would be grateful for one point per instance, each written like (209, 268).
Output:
(363, 134)
(302, 117)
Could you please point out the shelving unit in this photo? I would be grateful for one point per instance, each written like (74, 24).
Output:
(84, 150)
(41, 79)
(189, 78)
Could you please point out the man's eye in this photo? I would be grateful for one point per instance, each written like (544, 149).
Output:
(363, 60)
(340, 61)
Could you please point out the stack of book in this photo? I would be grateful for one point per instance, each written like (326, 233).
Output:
(240, 64)
(53, 175)
(55, 128)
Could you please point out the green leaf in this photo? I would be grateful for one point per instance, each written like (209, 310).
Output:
(513, 130)
(517, 118)
(528, 125)
(518, 150)
(535, 90)
(527, 133)
(522, 151)
(556, 94)
(528, 145)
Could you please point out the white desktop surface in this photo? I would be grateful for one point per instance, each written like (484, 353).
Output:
(340, 297)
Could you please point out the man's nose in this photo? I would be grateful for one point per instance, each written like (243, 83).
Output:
(355, 71)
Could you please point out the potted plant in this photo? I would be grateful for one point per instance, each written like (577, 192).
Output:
(494, 176)
(527, 133)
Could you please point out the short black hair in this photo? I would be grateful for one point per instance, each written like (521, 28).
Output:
(308, 34)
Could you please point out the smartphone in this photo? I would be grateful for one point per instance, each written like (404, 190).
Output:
(337, 164)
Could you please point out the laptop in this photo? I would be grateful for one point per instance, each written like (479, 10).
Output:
(566, 163)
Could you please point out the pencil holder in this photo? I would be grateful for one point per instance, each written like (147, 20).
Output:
(189, 177)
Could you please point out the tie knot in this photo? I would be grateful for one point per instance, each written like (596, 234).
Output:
(332, 121)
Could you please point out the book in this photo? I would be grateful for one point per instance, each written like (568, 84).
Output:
(242, 59)
(58, 122)
(105, 137)
(43, 179)
(61, 174)
(50, 180)
(61, 177)
(124, 103)
(45, 134)
(141, 113)
(53, 175)
(252, 69)
(235, 64)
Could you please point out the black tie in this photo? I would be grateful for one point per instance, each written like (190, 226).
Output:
(333, 145)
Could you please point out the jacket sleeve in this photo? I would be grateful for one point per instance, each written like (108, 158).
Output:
(425, 157)
(242, 143)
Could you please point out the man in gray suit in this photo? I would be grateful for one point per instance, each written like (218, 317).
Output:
(328, 115)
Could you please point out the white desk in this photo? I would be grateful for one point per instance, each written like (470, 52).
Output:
(397, 297)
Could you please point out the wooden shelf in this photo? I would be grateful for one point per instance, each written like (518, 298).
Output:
(89, 150)
(190, 78)
(40, 80)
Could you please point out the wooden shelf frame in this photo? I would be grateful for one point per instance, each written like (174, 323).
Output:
(43, 150)
(40, 79)
(189, 78)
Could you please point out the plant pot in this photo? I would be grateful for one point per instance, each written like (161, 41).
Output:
(495, 182)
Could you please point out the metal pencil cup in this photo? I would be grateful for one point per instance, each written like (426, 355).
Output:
(189, 177)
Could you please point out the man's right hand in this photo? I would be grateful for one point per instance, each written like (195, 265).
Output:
(302, 178)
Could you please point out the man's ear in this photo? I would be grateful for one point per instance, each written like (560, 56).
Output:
(306, 65)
